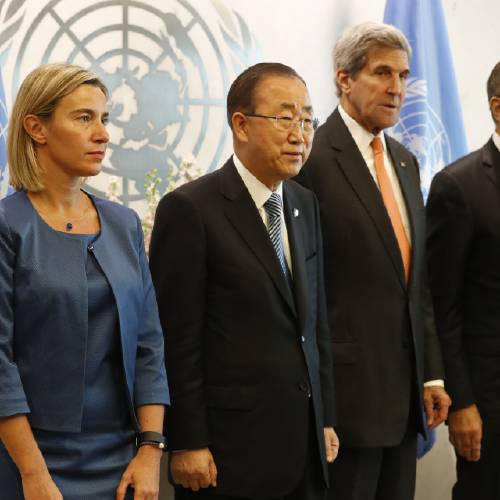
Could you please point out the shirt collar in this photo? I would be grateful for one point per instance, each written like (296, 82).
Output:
(361, 136)
(259, 192)
(496, 139)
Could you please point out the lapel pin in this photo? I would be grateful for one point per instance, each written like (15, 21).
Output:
(403, 164)
(295, 212)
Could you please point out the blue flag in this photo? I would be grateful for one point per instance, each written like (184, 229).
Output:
(431, 123)
(4, 118)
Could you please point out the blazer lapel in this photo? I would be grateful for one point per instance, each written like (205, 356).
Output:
(244, 216)
(355, 170)
(295, 240)
(490, 157)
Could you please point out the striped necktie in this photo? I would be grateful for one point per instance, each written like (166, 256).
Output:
(273, 209)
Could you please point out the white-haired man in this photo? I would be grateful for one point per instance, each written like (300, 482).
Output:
(387, 360)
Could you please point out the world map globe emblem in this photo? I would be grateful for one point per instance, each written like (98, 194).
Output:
(167, 73)
(421, 130)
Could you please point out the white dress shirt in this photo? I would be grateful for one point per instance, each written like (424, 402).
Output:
(260, 193)
(363, 140)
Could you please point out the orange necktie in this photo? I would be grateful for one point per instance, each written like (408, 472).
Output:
(391, 205)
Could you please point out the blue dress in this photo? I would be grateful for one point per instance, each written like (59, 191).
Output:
(88, 465)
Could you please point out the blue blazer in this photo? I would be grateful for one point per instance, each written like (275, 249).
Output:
(43, 314)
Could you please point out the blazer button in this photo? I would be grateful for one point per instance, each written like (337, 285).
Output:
(302, 339)
(90, 248)
(303, 387)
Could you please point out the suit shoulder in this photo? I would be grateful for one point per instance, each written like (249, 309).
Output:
(17, 211)
(205, 183)
(463, 176)
(11, 202)
(300, 191)
(193, 195)
(399, 148)
(113, 209)
(194, 192)
(465, 165)
(7, 208)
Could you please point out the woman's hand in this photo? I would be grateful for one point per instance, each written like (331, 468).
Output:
(40, 486)
(16, 434)
(142, 474)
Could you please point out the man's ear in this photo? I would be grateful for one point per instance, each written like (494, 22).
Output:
(343, 80)
(240, 126)
(495, 110)
(35, 128)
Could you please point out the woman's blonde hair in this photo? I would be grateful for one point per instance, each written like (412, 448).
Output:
(39, 95)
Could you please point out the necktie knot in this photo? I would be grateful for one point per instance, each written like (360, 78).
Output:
(376, 145)
(273, 205)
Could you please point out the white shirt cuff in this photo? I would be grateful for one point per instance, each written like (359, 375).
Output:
(435, 383)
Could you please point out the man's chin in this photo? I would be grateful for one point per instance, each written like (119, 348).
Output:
(391, 120)
(294, 168)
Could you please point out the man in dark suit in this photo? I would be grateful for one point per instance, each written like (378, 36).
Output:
(236, 259)
(383, 338)
(463, 213)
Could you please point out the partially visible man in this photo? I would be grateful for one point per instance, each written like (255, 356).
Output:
(383, 336)
(463, 213)
(236, 258)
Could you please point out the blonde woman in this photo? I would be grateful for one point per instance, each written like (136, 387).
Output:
(81, 350)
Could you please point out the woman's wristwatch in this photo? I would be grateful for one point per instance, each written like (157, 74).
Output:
(152, 439)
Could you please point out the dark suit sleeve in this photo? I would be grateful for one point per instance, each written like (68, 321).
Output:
(323, 332)
(449, 233)
(178, 268)
(323, 336)
(433, 363)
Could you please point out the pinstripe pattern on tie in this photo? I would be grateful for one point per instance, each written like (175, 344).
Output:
(273, 209)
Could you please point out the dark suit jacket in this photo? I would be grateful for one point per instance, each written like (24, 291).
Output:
(242, 351)
(463, 211)
(383, 337)
(43, 314)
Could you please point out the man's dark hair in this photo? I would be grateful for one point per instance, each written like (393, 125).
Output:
(493, 85)
(241, 93)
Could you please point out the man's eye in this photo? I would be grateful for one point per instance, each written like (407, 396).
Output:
(285, 118)
(85, 118)
(105, 120)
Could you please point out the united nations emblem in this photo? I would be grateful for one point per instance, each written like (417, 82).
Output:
(167, 66)
(421, 130)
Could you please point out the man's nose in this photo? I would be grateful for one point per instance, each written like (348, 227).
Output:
(296, 132)
(396, 85)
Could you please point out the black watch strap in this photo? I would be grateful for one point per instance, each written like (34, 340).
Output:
(151, 438)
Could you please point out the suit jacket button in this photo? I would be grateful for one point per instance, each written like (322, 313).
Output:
(303, 387)
(302, 339)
